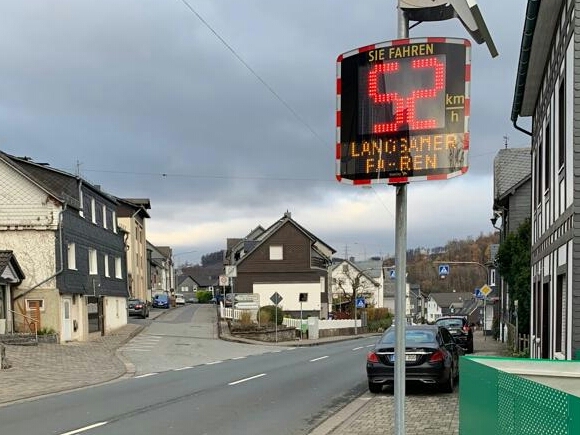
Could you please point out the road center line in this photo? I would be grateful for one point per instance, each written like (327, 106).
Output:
(247, 379)
(318, 359)
(359, 348)
(84, 429)
(146, 375)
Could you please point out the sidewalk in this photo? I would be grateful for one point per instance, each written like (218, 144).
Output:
(371, 414)
(52, 368)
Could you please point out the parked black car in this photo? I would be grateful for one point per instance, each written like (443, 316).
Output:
(431, 357)
(459, 329)
(137, 307)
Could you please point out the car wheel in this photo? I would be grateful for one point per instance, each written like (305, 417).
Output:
(375, 388)
(449, 385)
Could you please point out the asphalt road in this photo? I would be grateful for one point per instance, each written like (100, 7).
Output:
(239, 390)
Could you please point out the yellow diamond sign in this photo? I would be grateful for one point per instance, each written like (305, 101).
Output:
(485, 290)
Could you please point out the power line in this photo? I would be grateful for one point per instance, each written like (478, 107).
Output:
(253, 72)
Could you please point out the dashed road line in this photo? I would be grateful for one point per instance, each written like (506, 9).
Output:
(318, 359)
(146, 375)
(84, 429)
(247, 379)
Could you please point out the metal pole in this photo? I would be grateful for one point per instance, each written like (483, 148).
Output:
(355, 321)
(484, 317)
(300, 320)
(276, 321)
(400, 276)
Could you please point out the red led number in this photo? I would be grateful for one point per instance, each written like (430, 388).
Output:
(404, 108)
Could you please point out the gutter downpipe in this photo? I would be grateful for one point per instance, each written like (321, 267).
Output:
(523, 64)
(58, 272)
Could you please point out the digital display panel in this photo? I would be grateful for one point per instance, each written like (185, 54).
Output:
(403, 110)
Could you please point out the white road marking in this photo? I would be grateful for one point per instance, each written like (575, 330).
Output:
(359, 348)
(84, 429)
(213, 362)
(146, 375)
(371, 345)
(239, 357)
(247, 379)
(318, 359)
(182, 368)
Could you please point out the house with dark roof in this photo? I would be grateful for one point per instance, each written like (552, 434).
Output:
(284, 259)
(546, 94)
(131, 216)
(159, 270)
(64, 232)
(347, 276)
(11, 276)
(446, 304)
(512, 194)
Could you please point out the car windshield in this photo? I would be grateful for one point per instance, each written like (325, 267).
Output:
(450, 323)
(411, 336)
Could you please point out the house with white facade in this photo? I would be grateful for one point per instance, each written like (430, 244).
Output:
(547, 94)
(347, 276)
(64, 232)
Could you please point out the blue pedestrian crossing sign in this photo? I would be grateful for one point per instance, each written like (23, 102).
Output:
(443, 269)
(478, 294)
(360, 303)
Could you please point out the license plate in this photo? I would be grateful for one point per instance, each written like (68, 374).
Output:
(408, 358)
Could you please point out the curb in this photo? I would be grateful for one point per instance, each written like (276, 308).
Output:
(349, 411)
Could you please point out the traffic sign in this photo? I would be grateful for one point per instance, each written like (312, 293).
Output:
(443, 269)
(276, 298)
(392, 274)
(223, 280)
(360, 302)
(231, 271)
(485, 290)
(478, 294)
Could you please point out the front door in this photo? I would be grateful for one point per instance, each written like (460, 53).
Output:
(66, 319)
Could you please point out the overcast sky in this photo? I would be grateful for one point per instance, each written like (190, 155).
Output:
(223, 114)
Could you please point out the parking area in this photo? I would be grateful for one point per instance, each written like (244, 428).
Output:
(426, 409)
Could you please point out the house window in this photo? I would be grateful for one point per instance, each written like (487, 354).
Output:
(276, 252)
(492, 278)
(35, 304)
(114, 222)
(106, 258)
(93, 211)
(118, 271)
(547, 157)
(562, 124)
(105, 216)
(92, 261)
(71, 256)
(81, 206)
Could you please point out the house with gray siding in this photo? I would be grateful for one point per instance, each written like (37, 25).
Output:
(547, 93)
(64, 232)
(512, 190)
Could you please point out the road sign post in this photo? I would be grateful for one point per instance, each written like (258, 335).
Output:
(276, 298)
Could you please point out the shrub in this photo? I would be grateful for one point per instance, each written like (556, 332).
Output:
(46, 331)
(375, 314)
(267, 314)
(246, 318)
(203, 296)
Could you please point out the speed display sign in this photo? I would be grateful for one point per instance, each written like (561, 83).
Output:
(403, 111)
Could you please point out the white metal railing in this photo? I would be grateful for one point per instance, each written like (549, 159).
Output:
(323, 324)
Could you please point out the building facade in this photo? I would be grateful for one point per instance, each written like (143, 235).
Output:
(547, 92)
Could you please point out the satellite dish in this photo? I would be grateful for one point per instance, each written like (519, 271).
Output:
(438, 10)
